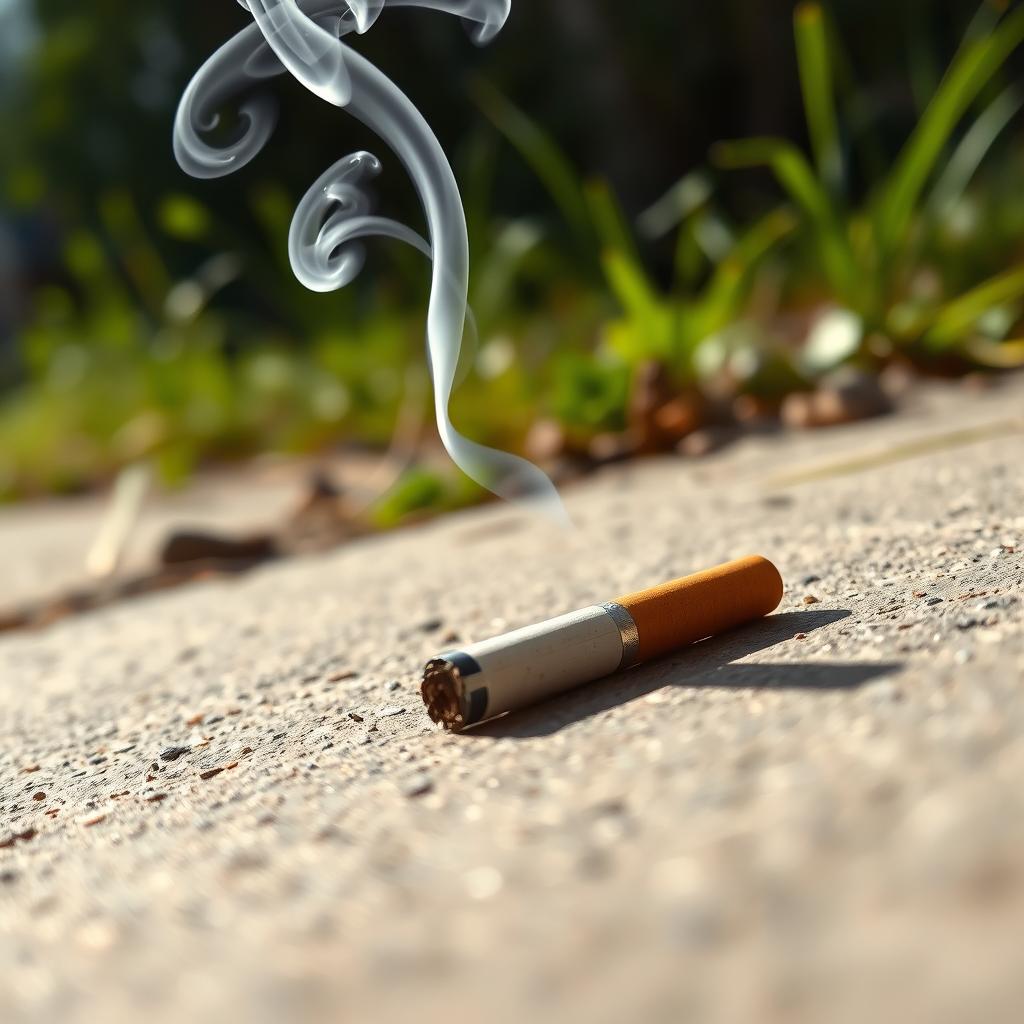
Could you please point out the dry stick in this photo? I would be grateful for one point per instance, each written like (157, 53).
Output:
(899, 453)
(122, 516)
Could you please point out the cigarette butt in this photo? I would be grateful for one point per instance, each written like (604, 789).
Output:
(465, 687)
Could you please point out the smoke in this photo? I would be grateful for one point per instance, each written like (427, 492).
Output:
(307, 39)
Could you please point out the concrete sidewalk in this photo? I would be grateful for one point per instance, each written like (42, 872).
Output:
(227, 803)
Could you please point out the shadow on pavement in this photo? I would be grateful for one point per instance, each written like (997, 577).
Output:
(710, 663)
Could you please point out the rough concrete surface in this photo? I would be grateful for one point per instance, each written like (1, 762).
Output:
(226, 802)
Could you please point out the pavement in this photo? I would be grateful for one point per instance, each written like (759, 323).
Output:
(226, 802)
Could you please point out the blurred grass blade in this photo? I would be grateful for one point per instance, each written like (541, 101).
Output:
(608, 219)
(479, 167)
(957, 318)
(690, 260)
(630, 285)
(703, 240)
(138, 258)
(678, 204)
(984, 21)
(997, 355)
(924, 70)
(725, 290)
(714, 235)
(818, 85)
(973, 68)
(861, 108)
(541, 153)
(797, 177)
(496, 272)
(973, 148)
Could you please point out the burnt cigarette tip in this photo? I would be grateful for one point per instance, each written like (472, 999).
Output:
(442, 694)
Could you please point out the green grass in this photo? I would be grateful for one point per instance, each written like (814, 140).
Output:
(914, 255)
(874, 254)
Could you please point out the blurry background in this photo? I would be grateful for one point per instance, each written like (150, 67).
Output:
(638, 286)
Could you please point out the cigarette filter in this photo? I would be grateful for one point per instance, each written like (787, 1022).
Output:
(462, 688)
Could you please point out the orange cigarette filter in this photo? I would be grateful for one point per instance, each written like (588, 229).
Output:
(482, 680)
(705, 604)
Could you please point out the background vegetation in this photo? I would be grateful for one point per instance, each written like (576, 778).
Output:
(683, 217)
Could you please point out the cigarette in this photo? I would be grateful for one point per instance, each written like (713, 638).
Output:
(512, 671)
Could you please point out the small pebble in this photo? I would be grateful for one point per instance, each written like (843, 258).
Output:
(390, 711)
(39, 796)
(418, 785)
(934, 600)
(210, 773)
(811, 599)
(884, 690)
(173, 753)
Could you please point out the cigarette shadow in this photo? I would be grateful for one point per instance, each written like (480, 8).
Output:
(707, 664)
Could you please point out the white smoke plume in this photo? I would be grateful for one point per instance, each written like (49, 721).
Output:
(308, 39)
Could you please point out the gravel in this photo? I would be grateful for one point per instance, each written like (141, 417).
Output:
(817, 818)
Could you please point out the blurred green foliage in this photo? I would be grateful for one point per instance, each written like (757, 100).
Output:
(156, 317)
(910, 262)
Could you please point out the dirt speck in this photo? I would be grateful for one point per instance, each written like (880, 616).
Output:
(24, 836)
